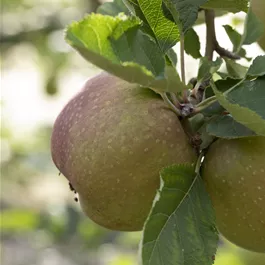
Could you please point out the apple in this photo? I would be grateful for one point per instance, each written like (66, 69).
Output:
(258, 7)
(111, 141)
(234, 173)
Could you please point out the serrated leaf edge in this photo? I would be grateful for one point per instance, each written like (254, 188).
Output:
(157, 197)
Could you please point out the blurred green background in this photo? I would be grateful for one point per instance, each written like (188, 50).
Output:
(40, 222)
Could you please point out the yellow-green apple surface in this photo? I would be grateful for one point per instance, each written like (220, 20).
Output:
(234, 173)
(258, 7)
(111, 141)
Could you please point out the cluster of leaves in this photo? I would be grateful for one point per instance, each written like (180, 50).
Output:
(134, 40)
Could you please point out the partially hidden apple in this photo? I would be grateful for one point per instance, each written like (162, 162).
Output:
(258, 7)
(111, 141)
(234, 173)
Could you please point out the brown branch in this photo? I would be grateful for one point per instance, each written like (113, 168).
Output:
(211, 40)
(210, 34)
(225, 53)
(212, 45)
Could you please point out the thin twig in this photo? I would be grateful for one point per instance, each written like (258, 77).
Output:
(210, 34)
(175, 99)
(225, 53)
(182, 59)
(197, 94)
(211, 44)
(211, 40)
(204, 105)
(182, 66)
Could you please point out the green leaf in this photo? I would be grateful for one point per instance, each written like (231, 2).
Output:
(113, 8)
(196, 122)
(225, 84)
(243, 54)
(234, 36)
(253, 28)
(192, 44)
(235, 39)
(172, 57)
(228, 5)
(222, 85)
(257, 68)
(245, 102)
(227, 127)
(181, 226)
(134, 46)
(135, 9)
(165, 31)
(213, 109)
(207, 68)
(206, 138)
(117, 45)
(185, 13)
(222, 74)
(235, 70)
(156, 22)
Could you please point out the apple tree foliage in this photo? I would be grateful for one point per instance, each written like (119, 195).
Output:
(134, 40)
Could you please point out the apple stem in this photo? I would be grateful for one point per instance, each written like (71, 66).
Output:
(198, 163)
(170, 104)
(175, 99)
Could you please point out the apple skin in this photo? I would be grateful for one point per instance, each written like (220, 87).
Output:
(234, 173)
(111, 141)
(251, 258)
(258, 7)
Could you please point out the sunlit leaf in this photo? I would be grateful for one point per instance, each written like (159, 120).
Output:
(117, 45)
(157, 21)
(185, 13)
(166, 32)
